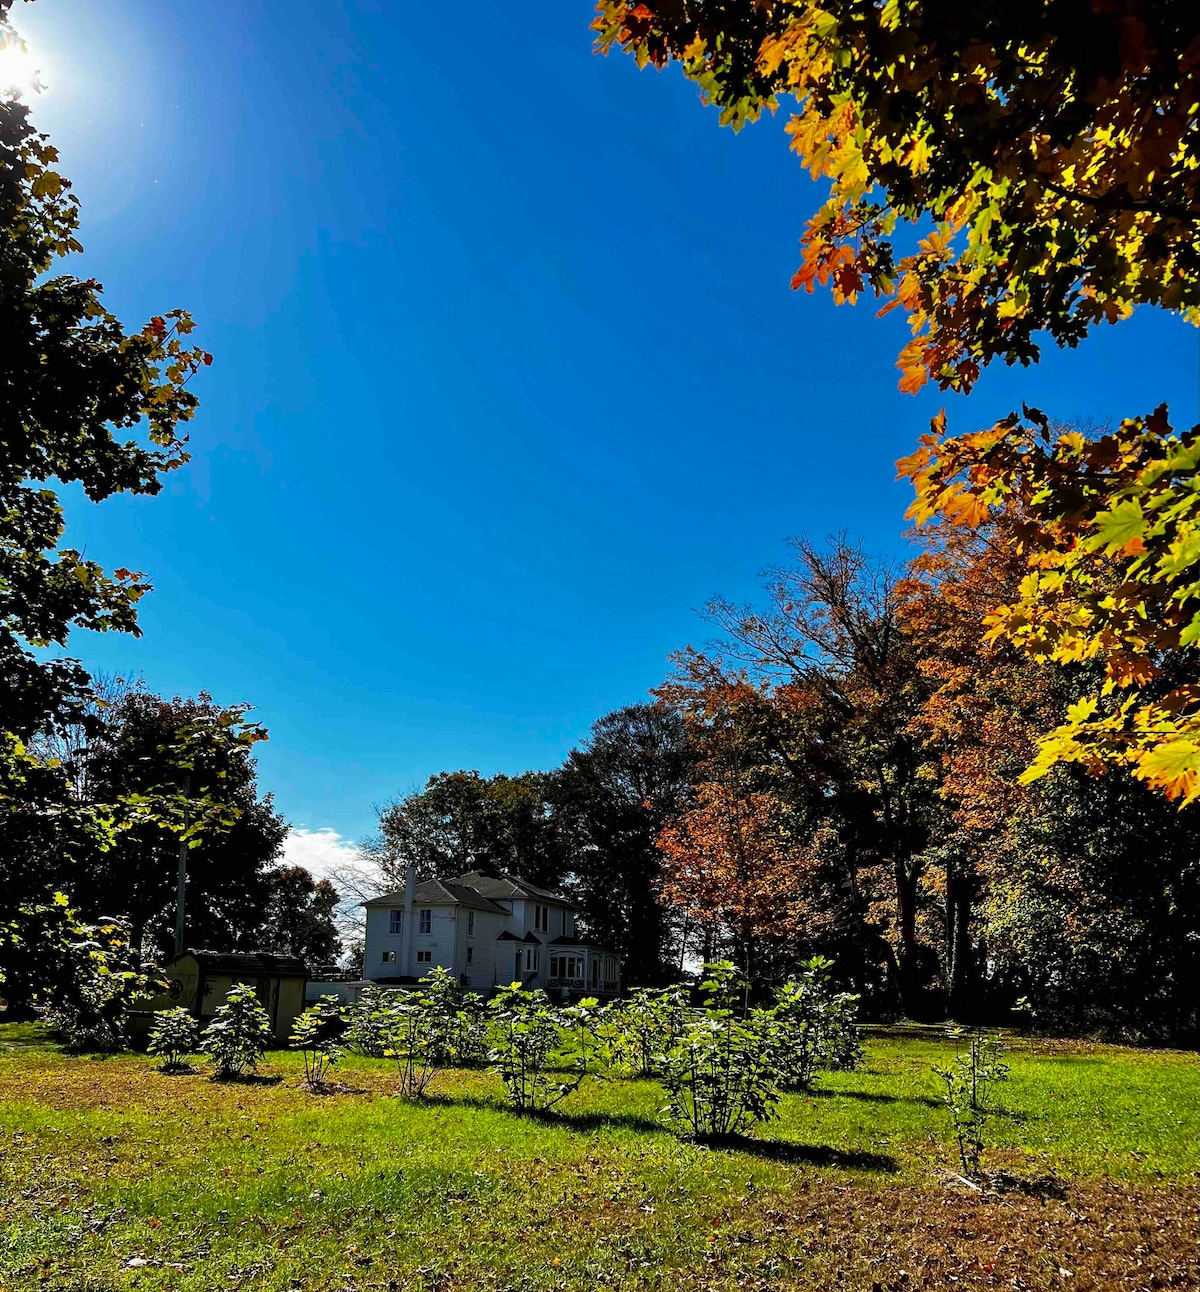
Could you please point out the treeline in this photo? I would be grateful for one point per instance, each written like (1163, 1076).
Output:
(108, 800)
(843, 774)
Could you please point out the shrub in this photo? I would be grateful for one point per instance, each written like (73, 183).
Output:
(84, 978)
(471, 1040)
(721, 1075)
(969, 1080)
(173, 1036)
(816, 1027)
(317, 1034)
(530, 1038)
(414, 1028)
(239, 1033)
(365, 1031)
(458, 1019)
(643, 1027)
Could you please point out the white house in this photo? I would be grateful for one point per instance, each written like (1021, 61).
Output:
(487, 930)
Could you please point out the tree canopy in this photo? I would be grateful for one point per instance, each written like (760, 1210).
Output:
(1052, 147)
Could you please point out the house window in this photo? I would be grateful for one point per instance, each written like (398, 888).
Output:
(541, 919)
(533, 959)
(566, 967)
(396, 921)
(470, 955)
(595, 972)
(424, 957)
(470, 922)
(425, 921)
(389, 957)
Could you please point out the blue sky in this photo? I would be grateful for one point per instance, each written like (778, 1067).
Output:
(508, 377)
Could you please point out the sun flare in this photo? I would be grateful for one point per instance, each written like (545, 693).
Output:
(19, 74)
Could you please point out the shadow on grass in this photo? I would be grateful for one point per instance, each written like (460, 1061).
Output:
(871, 1096)
(551, 1116)
(774, 1150)
(770, 1150)
(245, 1079)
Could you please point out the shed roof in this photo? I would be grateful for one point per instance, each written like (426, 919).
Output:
(264, 964)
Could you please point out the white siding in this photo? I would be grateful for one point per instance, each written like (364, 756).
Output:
(440, 941)
(492, 961)
(378, 939)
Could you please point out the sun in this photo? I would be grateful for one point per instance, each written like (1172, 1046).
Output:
(19, 76)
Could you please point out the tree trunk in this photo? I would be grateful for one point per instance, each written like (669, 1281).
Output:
(908, 959)
(961, 980)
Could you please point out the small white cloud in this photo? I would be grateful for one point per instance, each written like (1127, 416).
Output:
(320, 852)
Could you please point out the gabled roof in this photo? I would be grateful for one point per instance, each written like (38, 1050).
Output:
(263, 964)
(506, 936)
(440, 892)
(507, 887)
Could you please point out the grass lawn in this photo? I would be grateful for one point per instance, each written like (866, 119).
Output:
(113, 1175)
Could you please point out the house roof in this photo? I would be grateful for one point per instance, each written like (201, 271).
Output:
(263, 964)
(507, 887)
(474, 889)
(506, 936)
(440, 892)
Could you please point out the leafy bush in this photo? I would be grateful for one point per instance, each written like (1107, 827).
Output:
(365, 1032)
(95, 982)
(458, 1019)
(721, 1075)
(471, 1039)
(239, 1033)
(969, 1080)
(414, 1028)
(816, 1027)
(174, 1035)
(317, 1034)
(530, 1038)
(643, 1027)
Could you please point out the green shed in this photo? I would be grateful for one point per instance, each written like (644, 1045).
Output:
(199, 980)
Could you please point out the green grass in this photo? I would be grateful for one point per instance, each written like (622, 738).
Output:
(116, 1176)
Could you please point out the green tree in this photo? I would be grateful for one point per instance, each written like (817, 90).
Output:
(178, 770)
(464, 821)
(74, 386)
(613, 795)
(74, 383)
(299, 918)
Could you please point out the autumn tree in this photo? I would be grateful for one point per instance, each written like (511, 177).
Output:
(1048, 158)
(812, 699)
(732, 865)
(1110, 542)
(983, 707)
(1052, 148)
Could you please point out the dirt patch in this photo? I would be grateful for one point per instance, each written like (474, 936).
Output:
(1101, 1235)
